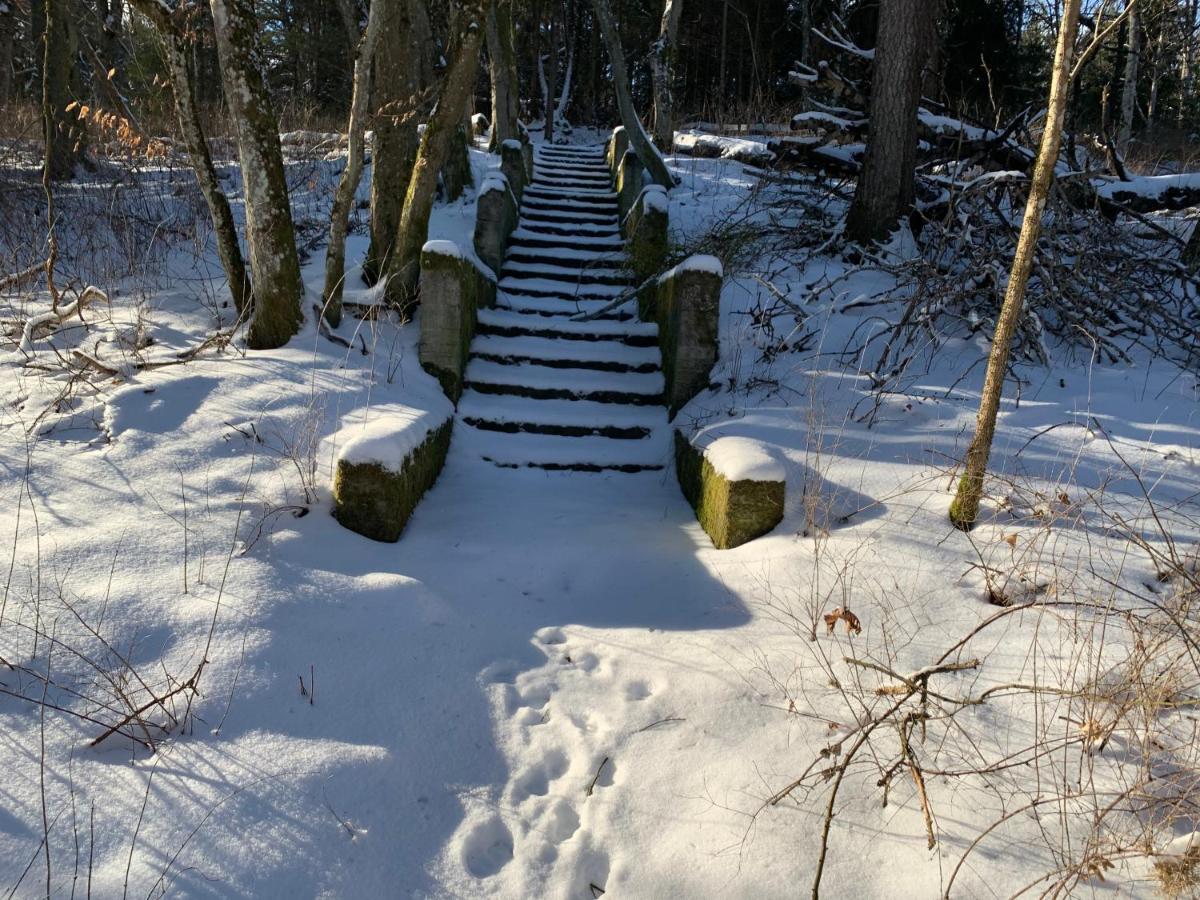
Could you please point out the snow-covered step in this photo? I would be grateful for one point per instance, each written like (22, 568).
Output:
(579, 454)
(511, 323)
(592, 153)
(573, 173)
(544, 177)
(614, 354)
(561, 307)
(562, 289)
(583, 204)
(557, 255)
(553, 192)
(533, 380)
(523, 237)
(490, 412)
(562, 217)
(575, 231)
(572, 273)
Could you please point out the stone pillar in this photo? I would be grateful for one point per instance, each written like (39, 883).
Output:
(631, 178)
(512, 167)
(453, 288)
(495, 218)
(687, 308)
(647, 240)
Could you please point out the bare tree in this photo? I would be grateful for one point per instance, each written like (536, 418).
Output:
(270, 236)
(906, 34)
(403, 71)
(662, 65)
(965, 508)
(502, 67)
(458, 83)
(629, 118)
(8, 31)
(339, 216)
(177, 55)
(1133, 52)
(64, 133)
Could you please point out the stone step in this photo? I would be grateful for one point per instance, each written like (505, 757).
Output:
(567, 418)
(597, 356)
(568, 187)
(587, 176)
(523, 238)
(576, 231)
(510, 323)
(567, 256)
(547, 382)
(574, 275)
(531, 214)
(572, 204)
(559, 289)
(561, 308)
(561, 453)
(555, 192)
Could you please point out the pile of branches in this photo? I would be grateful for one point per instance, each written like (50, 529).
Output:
(1107, 285)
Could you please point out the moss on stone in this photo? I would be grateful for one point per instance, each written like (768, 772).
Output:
(376, 502)
(731, 512)
(452, 292)
(687, 309)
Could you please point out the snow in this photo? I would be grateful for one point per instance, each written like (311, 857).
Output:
(387, 435)
(552, 680)
(753, 152)
(1153, 186)
(454, 250)
(697, 263)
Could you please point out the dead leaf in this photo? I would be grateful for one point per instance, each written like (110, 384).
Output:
(1010, 539)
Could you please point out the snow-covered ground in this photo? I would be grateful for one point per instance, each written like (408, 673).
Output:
(553, 686)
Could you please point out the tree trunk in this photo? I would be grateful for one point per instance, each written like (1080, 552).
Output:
(721, 85)
(176, 55)
(564, 91)
(629, 118)
(502, 68)
(552, 82)
(662, 65)
(885, 187)
(457, 86)
(1133, 52)
(112, 48)
(965, 508)
(1191, 250)
(64, 133)
(400, 79)
(8, 30)
(270, 236)
(343, 200)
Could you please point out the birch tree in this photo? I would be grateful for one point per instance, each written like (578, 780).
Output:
(343, 200)
(1133, 52)
(662, 66)
(906, 34)
(965, 508)
(177, 53)
(457, 86)
(270, 236)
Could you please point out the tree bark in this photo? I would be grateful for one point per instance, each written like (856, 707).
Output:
(64, 133)
(270, 236)
(662, 66)
(1191, 250)
(177, 54)
(457, 86)
(629, 118)
(885, 188)
(502, 67)
(1133, 52)
(401, 75)
(343, 200)
(8, 30)
(551, 84)
(965, 508)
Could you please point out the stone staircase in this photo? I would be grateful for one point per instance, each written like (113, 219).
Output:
(543, 391)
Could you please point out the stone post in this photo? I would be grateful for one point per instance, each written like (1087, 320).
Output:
(453, 288)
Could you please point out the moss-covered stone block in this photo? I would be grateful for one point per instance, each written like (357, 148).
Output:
(732, 512)
(377, 500)
(496, 216)
(453, 290)
(687, 308)
(512, 167)
(630, 180)
(614, 150)
(646, 229)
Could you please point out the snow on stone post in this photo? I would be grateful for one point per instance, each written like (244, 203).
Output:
(645, 230)
(385, 467)
(454, 285)
(687, 309)
(495, 218)
(631, 179)
(618, 144)
(733, 484)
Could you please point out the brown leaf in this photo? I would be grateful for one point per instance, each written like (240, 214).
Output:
(853, 625)
(1010, 539)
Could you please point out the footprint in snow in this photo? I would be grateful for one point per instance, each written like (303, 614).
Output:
(488, 848)
(535, 782)
(637, 690)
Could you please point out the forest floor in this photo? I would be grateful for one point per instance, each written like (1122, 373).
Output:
(552, 685)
